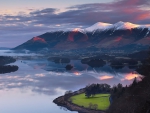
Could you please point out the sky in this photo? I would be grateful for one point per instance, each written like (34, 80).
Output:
(21, 20)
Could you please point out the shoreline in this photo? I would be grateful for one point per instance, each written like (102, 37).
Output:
(63, 102)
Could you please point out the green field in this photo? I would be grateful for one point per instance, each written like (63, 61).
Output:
(102, 100)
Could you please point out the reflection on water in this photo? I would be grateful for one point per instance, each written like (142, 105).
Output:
(37, 82)
(30, 90)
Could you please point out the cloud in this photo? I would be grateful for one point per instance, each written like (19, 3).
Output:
(84, 15)
(131, 76)
(44, 11)
(105, 77)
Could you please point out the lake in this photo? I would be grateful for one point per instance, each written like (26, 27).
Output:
(38, 82)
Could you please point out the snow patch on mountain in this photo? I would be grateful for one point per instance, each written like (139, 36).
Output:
(98, 25)
(117, 26)
(124, 25)
(79, 30)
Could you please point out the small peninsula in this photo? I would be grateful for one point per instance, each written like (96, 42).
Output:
(95, 98)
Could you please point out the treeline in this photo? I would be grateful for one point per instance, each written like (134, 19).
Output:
(136, 97)
(141, 55)
(6, 60)
(91, 90)
(8, 69)
(94, 89)
(116, 91)
(59, 59)
(121, 61)
(96, 63)
(145, 68)
(103, 57)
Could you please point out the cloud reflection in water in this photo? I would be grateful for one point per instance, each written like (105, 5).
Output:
(57, 82)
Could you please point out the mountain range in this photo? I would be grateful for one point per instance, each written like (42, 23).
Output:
(121, 35)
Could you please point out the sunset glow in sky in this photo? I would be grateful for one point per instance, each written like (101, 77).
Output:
(106, 77)
(23, 20)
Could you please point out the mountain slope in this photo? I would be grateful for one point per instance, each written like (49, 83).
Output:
(101, 36)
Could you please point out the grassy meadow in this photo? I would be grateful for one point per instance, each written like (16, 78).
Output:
(102, 100)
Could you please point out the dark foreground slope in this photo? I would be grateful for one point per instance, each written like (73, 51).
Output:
(136, 98)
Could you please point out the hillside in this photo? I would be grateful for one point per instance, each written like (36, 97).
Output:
(136, 98)
(122, 36)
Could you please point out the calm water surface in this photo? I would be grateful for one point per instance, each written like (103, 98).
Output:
(38, 82)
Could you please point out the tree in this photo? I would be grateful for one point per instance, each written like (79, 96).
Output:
(68, 92)
(95, 106)
(94, 89)
(114, 89)
(119, 86)
(134, 82)
(70, 100)
(67, 95)
(90, 105)
(87, 93)
(144, 68)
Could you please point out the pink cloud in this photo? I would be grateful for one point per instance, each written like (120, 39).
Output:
(143, 16)
(77, 73)
(105, 77)
(121, 10)
(131, 76)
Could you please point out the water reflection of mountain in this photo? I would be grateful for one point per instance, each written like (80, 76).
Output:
(78, 67)
(81, 73)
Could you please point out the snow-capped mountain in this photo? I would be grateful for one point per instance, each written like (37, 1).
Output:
(118, 36)
(98, 25)
(119, 25)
